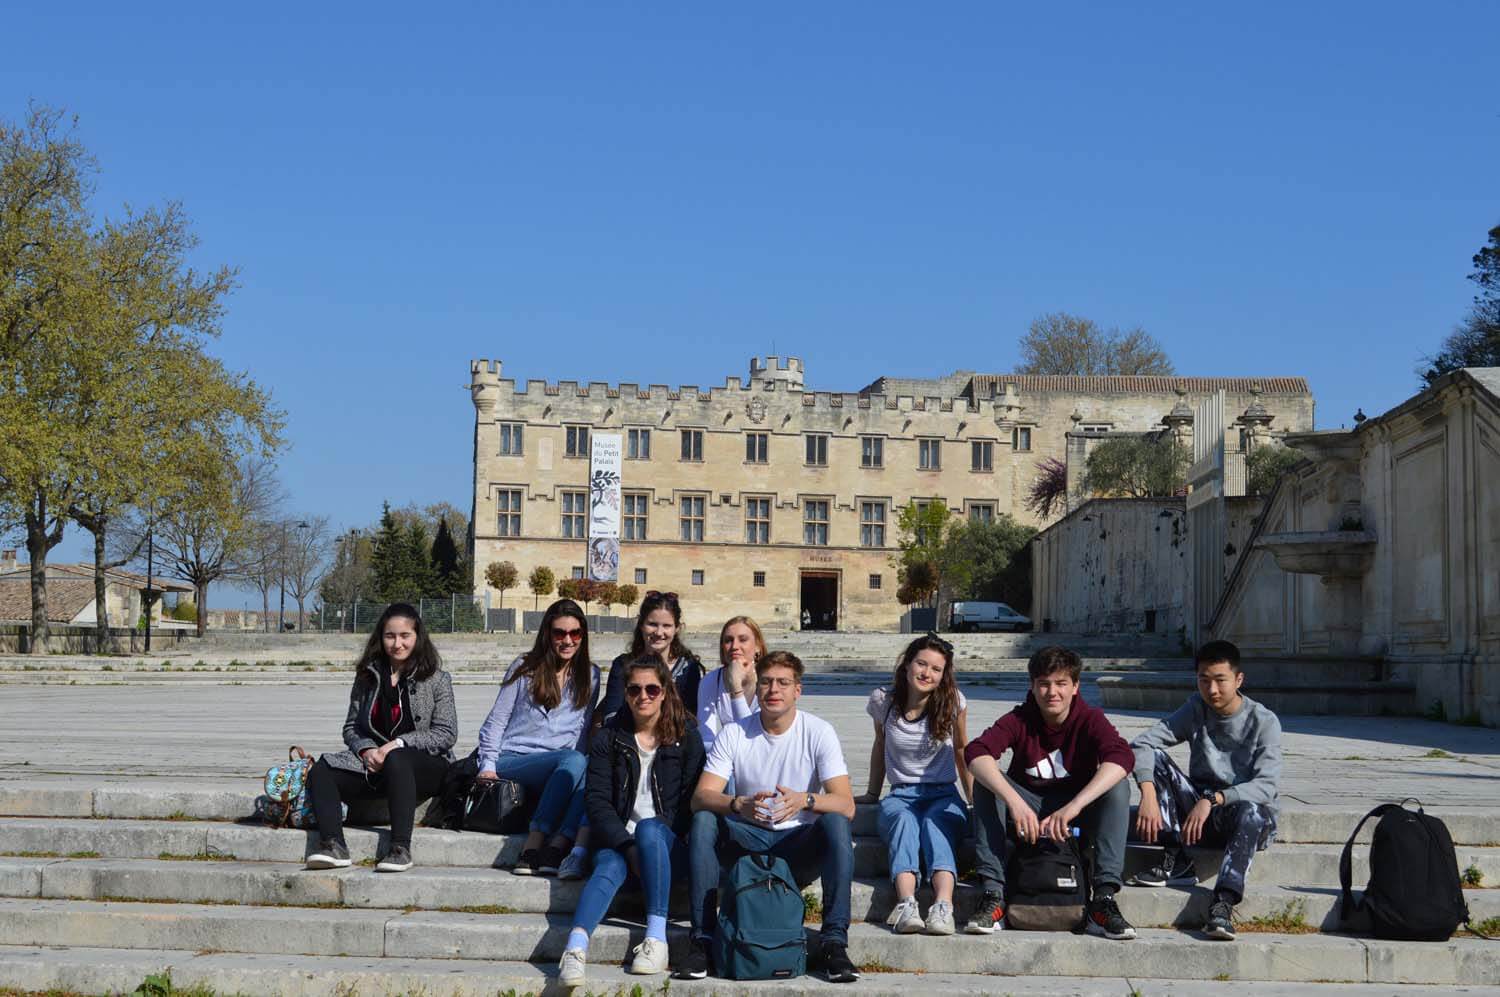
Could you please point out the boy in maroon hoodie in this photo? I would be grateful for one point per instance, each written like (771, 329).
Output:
(1068, 765)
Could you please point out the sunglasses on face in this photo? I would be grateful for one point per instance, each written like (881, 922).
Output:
(636, 691)
(574, 635)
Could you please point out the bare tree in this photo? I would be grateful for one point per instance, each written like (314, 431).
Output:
(308, 553)
(1060, 343)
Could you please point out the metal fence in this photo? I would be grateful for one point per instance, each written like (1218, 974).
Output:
(452, 614)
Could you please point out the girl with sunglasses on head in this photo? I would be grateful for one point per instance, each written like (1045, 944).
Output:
(537, 733)
(658, 634)
(400, 728)
(919, 743)
(727, 693)
(643, 769)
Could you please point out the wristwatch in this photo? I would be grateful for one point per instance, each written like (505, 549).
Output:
(811, 797)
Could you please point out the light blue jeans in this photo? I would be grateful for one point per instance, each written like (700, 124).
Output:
(558, 777)
(922, 824)
(657, 850)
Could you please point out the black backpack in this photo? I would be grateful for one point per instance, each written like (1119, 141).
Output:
(1048, 886)
(1414, 893)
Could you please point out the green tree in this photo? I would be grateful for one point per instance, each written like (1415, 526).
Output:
(540, 581)
(921, 531)
(1265, 466)
(629, 595)
(1137, 466)
(502, 575)
(421, 580)
(1060, 343)
(387, 560)
(608, 594)
(570, 588)
(989, 561)
(1476, 340)
(444, 559)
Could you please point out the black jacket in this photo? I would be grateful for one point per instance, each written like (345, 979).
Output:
(615, 772)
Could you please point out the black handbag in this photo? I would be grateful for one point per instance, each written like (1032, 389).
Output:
(495, 806)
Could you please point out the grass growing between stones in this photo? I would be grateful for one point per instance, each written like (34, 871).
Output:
(1290, 919)
(812, 908)
(1473, 876)
(198, 857)
(1489, 926)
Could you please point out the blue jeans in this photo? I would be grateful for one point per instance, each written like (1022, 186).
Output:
(558, 777)
(821, 849)
(921, 824)
(657, 850)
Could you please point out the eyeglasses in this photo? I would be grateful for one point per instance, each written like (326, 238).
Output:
(575, 635)
(635, 691)
(664, 596)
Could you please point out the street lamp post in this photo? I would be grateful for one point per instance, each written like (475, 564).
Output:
(150, 556)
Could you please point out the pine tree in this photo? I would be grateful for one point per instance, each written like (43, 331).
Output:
(388, 561)
(421, 580)
(444, 561)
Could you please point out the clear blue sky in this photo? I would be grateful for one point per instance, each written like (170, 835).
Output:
(654, 192)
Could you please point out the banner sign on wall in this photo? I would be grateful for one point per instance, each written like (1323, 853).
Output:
(604, 508)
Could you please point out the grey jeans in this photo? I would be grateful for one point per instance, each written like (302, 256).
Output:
(1104, 824)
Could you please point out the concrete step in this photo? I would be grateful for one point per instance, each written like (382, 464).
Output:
(115, 970)
(454, 888)
(1300, 823)
(540, 939)
(1165, 691)
(1284, 864)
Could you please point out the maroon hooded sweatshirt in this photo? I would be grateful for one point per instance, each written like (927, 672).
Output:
(1045, 760)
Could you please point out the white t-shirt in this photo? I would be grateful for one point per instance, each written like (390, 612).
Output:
(803, 758)
(911, 755)
(644, 807)
(717, 709)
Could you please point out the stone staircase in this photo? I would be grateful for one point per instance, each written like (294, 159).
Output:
(101, 885)
(1312, 687)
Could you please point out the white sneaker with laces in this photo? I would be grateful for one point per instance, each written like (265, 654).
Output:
(906, 919)
(940, 918)
(650, 957)
(571, 968)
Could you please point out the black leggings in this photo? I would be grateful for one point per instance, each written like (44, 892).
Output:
(409, 775)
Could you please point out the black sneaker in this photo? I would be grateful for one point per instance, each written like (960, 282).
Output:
(1220, 923)
(398, 859)
(526, 864)
(989, 916)
(330, 854)
(548, 859)
(836, 965)
(1102, 917)
(1174, 869)
(694, 965)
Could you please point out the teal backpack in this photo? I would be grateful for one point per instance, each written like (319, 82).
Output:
(760, 934)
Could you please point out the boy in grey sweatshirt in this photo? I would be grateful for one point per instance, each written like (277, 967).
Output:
(1227, 799)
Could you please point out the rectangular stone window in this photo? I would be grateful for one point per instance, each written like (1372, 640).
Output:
(929, 454)
(981, 512)
(638, 444)
(815, 522)
(871, 451)
(697, 576)
(508, 512)
(640, 576)
(817, 449)
(512, 434)
(757, 447)
(692, 444)
(758, 579)
(872, 524)
(577, 441)
(634, 523)
(691, 517)
(757, 520)
(577, 571)
(1094, 428)
(575, 508)
(1020, 438)
(982, 455)
(875, 581)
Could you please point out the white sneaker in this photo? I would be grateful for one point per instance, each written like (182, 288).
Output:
(650, 957)
(575, 866)
(570, 969)
(940, 918)
(906, 919)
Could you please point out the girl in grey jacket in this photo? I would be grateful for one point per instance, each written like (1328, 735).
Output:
(400, 730)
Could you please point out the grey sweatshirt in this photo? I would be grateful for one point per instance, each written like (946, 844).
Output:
(1238, 755)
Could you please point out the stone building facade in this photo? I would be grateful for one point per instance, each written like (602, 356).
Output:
(764, 497)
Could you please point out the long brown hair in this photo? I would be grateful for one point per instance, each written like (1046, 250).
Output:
(423, 662)
(649, 605)
(753, 627)
(540, 663)
(672, 721)
(941, 712)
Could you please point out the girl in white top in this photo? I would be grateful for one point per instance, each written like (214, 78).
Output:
(919, 741)
(727, 693)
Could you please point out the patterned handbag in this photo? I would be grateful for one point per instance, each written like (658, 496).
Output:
(285, 802)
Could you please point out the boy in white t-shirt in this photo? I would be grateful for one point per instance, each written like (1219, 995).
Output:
(778, 760)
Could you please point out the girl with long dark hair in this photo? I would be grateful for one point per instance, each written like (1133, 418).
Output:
(400, 728)
(919, 743)
(658, 634)
(643, 768)
(537, 733)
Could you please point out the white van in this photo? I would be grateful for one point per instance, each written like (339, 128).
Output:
(986, 616)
